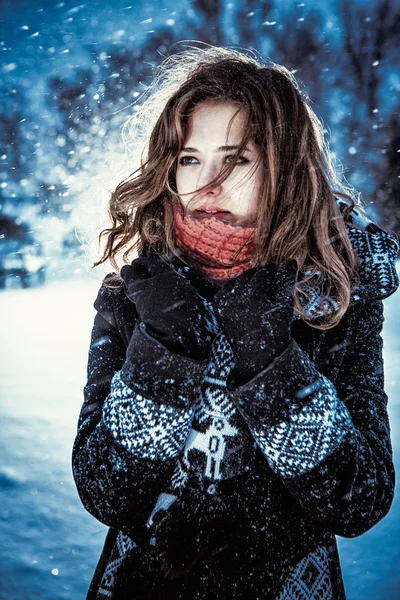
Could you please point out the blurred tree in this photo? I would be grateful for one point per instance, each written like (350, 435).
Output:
(72, 100)
(15, 139)
(388, 192)
(10, 142)
(303, 50)
(370, 36)
(205, 24)
(126, 69)
(14, 229)
(52, 200)
(71, 244)
(249, 19)
(78, 130)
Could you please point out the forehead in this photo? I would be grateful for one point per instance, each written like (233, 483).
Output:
(217, 121)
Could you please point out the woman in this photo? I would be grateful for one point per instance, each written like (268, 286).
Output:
(235, 417)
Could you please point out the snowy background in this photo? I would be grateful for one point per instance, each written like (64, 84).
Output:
(70, 76)
(49, 544)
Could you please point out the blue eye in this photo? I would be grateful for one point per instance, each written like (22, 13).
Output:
(240, 158)
(184, 160)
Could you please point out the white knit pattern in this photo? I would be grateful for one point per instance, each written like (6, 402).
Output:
(378, 251)
(146, 429)
(123, 544)
(307, 437)
(217, 426)
(310, 579)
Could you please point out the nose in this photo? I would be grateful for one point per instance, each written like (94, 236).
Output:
(205, 180)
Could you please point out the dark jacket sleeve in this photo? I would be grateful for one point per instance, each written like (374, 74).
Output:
(134, 420)
(330, 444)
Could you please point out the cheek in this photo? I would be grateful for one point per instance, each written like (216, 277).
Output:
(182, 181)
(250, 183)
(256, 181)
(252, 191)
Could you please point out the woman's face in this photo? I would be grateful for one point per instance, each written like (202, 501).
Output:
(207, 148)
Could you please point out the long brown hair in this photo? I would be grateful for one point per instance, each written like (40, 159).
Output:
(299, 215)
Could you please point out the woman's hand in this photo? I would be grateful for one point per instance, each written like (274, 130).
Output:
(168, 305)
(256, 311)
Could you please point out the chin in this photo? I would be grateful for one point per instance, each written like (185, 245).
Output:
(245, 221)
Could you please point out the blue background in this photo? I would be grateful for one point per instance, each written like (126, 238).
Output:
(70, 75)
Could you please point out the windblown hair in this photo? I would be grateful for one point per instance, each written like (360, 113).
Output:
(298, 214)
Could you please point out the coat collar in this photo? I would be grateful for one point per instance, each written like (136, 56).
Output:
(377, 251)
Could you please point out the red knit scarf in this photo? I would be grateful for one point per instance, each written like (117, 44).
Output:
(214, 247)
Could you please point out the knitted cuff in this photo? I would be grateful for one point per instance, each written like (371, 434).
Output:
(148, 430)
(158, 374)
(298, 444)
(279, 391)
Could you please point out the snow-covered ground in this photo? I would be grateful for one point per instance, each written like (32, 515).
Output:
(49, 544)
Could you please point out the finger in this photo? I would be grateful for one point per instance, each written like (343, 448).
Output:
(291, 265)
(240, 288)
(148, 266)
(135, 271)
(242, 281)
(264, 279)
(163, 261)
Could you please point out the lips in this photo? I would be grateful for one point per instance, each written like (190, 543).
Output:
(219, 216)
(203, 214)
(211, 211)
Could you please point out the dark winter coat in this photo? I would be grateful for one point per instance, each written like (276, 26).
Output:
(268, 473)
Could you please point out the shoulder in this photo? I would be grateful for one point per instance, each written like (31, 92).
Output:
(377, 251)
(115, 307)
(109, 297)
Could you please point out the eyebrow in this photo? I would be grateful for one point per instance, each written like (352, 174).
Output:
(219, 149)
